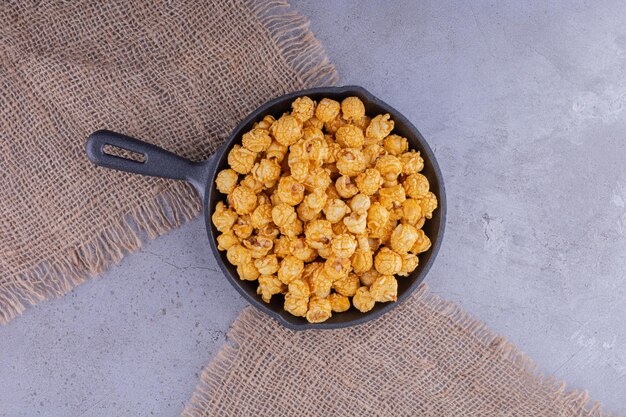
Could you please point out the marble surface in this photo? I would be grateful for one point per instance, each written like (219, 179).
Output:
(525, 107)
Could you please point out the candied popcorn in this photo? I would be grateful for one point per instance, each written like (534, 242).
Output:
(287, 130)
(349, 136)
(422, 244)
(352, 108)
(368, 277)
(226, 181)
(343, 245)
(290, 269)
(369, 182)
(276, 151)
(389, 167)
(269, 285)
(327, 110)
(338, 303)
(363, 258)
(391, 197)
(237, 254)
(318, 233)
(256, 140)
(267, 172)
(363, 300)
(242, 199)
(411, 211)
(428, 204)
(223, 218)
(379, 127)
(395, 145)
(241, 160)
(226, 240)
(409, 263)
(259, 246)
(416, 185)
(303, 108)
(328, 200)
(384, 289)
(301, 250)
(345, 187)
(267, 265)
(247, 271)
(387, 262)
(319, 310)
(412, 162)
(356, 222)
(403, 238)
(346, 285)
(360, 203)
(242, 227)
(350, 162)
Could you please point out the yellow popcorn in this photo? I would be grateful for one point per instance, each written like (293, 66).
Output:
(270, 231)
(327, 110)
(269, 285)
(318, 180)
(226, 181)
(287, 130)
(363, 258)
(276, 151)
(363, 300)
(257, 140)
(334, 125)
(252, 184)
(389, 167)
(301, 250)
(316, 151)
(349, 136)
(384, 289)
(338, 303)
(387, 262)
(429, 204)
(282, 246)
(319, 281)
(335, 210)
(422, 244)
(403, 238)
(262, 198)
(369, 182)
(377, 217)
(325, 252)
(318, 233)
(332, 192)
(356, 222)
(261, 216)
(368, 277)
(290, 191)
(292, 229)
(347, 285)
(362, 123)
(319, 310)
(314, 122)
(350, 162)
(238, 255)
(303, 108)
(297, 298)
(411, 211)
(345, 187)
(283, 214)
(343, 245)
(379, 127)
(290, 269)
(247, 271)
(259, 246)
(267, 265)
(412, 162)
(340, 228)
(223, 218)
(226, 240)
(395, 145)
(409, 263)
(243, 227)
(242, 199)
(241, 160)
(266, 123)
(352, 109)
(360, 203)
(372, 153)
(267, 172)
(416, 185)
(312, 206)
(336, 267)
(390, 197)
(311, 132)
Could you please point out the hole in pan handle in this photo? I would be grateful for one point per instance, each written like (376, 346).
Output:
(157, 161)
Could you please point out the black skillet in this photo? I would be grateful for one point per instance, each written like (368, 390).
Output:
(161, 163)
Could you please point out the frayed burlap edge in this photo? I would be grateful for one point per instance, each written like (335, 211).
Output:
(578, 401)
(55, 277)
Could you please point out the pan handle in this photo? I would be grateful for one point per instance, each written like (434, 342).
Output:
(157, 162)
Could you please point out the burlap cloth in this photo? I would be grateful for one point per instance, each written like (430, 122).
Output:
(425, 358)
(177, 74)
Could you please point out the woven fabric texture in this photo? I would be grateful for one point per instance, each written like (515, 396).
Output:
(177, 74)
(425, 358)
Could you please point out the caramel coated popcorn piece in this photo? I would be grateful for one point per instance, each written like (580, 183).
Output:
(243, 200)
(327, 110)
(363, 300)
(422, 244)
(338, 303)
(412, 162)
(367, 278)
(241, 160)
(390, 197)
(226, 181)
(335, 210)
(301, 250)
(269, 285)
(349, 136)
(243, 228)
(389, 167)
(318, 233)
(343, 245)
(416, 185)
(259, 246)
(267, 172)
(360, 203)
(303, 108)
(347, 285)
(403, 238)
(411, 211)
(226, 240)
(257, 140)
(384, 289)
(363, 258)
(372, 153)
(350, 162)
(356, 222)
(287, 130)
(267, 265)
(223, 218)
(395, 145)
(369, 181)
(247, 272)
(297, 298)
(379, 127)
(238, 255)
(290, 269)
(387, 262)
(409, 263)
(319, 310)
(429, 204)
(319, 281)
(352, 109)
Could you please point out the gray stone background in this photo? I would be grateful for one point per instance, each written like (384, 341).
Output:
(524, 105)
